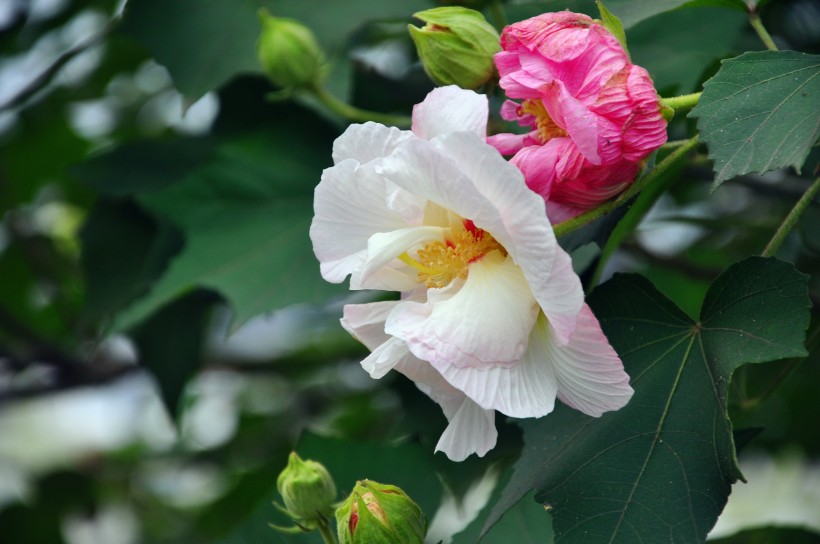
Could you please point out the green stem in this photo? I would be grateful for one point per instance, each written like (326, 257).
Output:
(577, 222)
(327, 535)
(791, 219)
(686, 101)
(355, 114)
(674, 144)
(757, 24)
(498, 14)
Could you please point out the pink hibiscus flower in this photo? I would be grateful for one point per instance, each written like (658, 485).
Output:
(594, 115)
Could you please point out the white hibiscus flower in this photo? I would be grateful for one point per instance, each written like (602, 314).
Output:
(491, 316)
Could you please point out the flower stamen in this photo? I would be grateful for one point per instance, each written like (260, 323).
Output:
(439, 263)
(547, 128)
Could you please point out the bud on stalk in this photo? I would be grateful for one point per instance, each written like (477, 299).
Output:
(377, 512)
(456, 46)
(307, 490)
(289, 52)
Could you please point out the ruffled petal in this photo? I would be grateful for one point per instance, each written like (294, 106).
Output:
(365, 322)
(367, 142)
(382, 359)
(591, 377)
(485, 322)
(386, 246)
(350, 206)
(508, 143)
(471, 429)
(450, 109)
(574, 117)
(527, 389)
(445, 169)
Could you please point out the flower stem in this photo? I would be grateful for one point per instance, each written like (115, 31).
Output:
(356, 114)
(686, 101)
(327, 535)
(498, 14)
(575, 223)
(791, 219)
(757, 24)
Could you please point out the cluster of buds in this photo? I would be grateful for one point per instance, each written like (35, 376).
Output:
(373, 512)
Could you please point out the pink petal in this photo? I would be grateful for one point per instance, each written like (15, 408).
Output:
(575, 118)
(508, 144)
(450, 109)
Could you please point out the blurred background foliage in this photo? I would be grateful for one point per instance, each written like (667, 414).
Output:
(165, 336)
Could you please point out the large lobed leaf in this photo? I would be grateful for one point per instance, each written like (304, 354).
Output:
(761, 111)
(661, 468)
(245, 215)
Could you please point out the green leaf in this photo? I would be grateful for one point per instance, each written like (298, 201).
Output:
(123, 252)
(761, 111)
(631, 12)
(612, 23)
(524, 523)
(170, 344)
(664, 464)
(245, 215)
(677, 62)
(206, 43)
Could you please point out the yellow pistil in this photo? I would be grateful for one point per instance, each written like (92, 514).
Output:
(439, 263)
(547, 129)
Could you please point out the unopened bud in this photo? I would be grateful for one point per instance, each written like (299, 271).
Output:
(377, 512)
(307, 490)
(456, 46)
(289, 52)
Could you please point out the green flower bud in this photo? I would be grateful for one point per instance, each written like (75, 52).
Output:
(308, 491)
(377, 512)
(289, 52)
(456, 46)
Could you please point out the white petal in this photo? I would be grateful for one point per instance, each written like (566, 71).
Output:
(365, 322)
(367, 142)
(527, 389)
(350, 206)
(461, 173)
(486, 322)
(450, 109)
(387, 246)
(591, 377)
(471, 429)
(385, 357)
